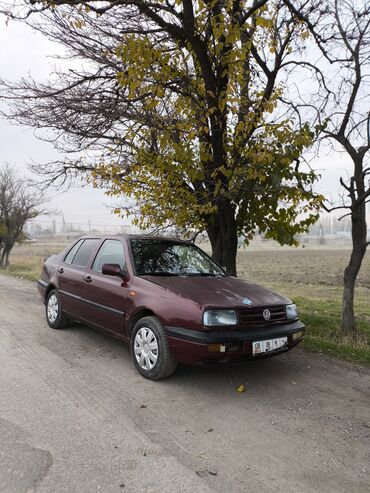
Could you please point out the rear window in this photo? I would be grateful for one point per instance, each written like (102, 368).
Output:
(83, 252)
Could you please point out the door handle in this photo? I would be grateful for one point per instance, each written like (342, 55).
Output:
(87, 279)
(61, 270)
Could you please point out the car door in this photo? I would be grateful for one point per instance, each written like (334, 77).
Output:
(71, 272)
(105, 296)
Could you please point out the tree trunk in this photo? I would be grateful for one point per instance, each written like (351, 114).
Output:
(222, 233)
(7, 258)
(348, 326)
(359, 244)
(4, 258)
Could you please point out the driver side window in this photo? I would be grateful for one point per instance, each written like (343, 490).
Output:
(111, 252)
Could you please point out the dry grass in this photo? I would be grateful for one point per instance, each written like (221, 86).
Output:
(24, 266)
(26, 260)
(301, 266)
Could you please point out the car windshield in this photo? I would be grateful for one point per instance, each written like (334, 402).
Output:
(154, 257)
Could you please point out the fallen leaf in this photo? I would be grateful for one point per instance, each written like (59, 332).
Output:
(241, 388)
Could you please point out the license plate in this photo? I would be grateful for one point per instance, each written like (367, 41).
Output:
(260, 347)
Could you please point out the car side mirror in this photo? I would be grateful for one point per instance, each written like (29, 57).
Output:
(114, 270)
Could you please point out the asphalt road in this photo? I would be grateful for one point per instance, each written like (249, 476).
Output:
(76, 417)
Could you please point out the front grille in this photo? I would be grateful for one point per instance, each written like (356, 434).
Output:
(254, 316)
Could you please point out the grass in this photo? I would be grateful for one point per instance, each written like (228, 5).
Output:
(290, 272)
(25, 266)
(320, 308)
(322, 319)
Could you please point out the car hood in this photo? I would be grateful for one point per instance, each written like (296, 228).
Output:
(220, 292)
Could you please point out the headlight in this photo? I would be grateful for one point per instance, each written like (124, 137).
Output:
(291, 311)
(220, 317)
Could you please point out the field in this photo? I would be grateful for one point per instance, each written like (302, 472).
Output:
(310, 276)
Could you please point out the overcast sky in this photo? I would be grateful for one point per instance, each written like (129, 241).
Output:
(24, 52)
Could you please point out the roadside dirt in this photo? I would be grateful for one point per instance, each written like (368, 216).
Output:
(75, 416)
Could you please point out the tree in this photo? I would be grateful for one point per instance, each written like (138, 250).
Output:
(342, 36)
(18, 204)
(181, 107)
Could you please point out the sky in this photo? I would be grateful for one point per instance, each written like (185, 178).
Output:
(23, 52)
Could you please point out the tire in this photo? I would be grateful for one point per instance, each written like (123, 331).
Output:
(155, 363)
(54, 313)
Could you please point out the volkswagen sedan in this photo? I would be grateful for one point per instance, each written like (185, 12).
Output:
(169, 300)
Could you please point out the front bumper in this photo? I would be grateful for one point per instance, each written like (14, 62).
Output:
(192, 347)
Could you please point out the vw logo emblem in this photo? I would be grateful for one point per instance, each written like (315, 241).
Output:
(266, 314)
(247, 301)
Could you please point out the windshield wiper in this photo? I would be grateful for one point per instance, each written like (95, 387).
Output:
(180, 274)
(159, 273)
(198, 274)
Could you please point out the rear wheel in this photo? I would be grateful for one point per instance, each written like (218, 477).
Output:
(150, 351)
(54, 313)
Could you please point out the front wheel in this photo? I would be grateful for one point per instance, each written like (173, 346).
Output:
(54, 313)
(150, 351)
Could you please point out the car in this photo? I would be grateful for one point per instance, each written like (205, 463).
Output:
(169, 300)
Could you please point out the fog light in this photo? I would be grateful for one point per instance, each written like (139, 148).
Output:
(216, 348)
(298, 335)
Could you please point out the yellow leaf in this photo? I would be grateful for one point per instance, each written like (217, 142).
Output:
(262, 21)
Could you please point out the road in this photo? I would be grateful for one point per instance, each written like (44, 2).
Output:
(76, 417)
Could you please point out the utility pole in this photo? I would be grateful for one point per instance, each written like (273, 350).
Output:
(321, 235)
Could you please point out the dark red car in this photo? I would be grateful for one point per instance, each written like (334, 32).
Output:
(169, 300)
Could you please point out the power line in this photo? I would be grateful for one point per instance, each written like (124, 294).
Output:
(50, 222)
